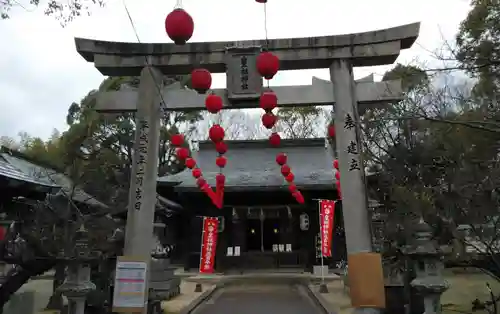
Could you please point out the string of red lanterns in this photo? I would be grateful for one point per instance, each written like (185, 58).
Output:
(216, 134)
(267, 66)
(179, 26)
(183, 155)
(201, 81)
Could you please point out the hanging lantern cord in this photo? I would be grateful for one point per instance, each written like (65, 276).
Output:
(266, 48)
(219, 122)
(265, 25)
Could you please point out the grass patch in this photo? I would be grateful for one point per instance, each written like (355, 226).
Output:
(464, 288)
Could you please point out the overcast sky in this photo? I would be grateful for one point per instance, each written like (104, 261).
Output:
(41, 74)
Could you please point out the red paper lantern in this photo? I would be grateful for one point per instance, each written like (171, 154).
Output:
(221, 147)
(182, 153)
(331, 130)
(190, 163)
(3, 233)
(213, 103)
(267, 65)
(201, 80)
(177, 139)
(201, 182)
(221, 161)
(196, 173)
(275, 139)
(281, 159)
(261, 1)
(292, 187)
(216, 133)
(220, 179)
(290, 177)
(268, 100)
(337, 175)
(269, 120)
(336, 164)
(179, 26)
(285, 170)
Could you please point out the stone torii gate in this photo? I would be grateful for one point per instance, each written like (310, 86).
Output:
(338, 53)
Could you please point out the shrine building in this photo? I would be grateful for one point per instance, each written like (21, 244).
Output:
(262, 225)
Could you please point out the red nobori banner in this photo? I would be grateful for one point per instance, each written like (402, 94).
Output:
(208, 244)
(326, 212)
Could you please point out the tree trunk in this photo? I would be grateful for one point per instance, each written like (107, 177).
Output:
(19, 277)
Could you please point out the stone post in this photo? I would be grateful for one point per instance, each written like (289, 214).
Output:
(354, 200)
(142, 193)
(427, 256)
(352, 179)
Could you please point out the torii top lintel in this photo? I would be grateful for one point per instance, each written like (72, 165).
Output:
(363, 49)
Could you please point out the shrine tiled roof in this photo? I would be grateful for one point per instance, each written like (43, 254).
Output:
(251, 164)
(24, 170)
(9, 171)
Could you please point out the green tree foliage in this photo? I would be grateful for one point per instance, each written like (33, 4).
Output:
(64, 11)
(301, 122)
(96, 150)
(431, 159)
(105, 142)
(478, 43)
(48, 152)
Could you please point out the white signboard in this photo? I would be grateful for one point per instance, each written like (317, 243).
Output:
(236, 251)
(130, 285)
(288, 247)
(229, 251)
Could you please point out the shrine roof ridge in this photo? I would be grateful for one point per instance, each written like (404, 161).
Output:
(370, 48)
(264, 143)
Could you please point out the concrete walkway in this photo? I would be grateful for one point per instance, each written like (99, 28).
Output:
(250, 287)
(337, 299)
(185, 298)
(251, 299)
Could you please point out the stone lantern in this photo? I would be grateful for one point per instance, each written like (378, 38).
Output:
(77, 284)
(427, 257)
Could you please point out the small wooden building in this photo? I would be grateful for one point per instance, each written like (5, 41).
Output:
(262, 225)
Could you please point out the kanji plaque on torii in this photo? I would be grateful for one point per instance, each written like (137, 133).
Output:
(338, 53)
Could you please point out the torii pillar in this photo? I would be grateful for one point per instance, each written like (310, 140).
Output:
(338, 53)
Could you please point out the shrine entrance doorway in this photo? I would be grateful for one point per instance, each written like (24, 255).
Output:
(266, 238)
(263, 235)
(254, 235)
(271, 233)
